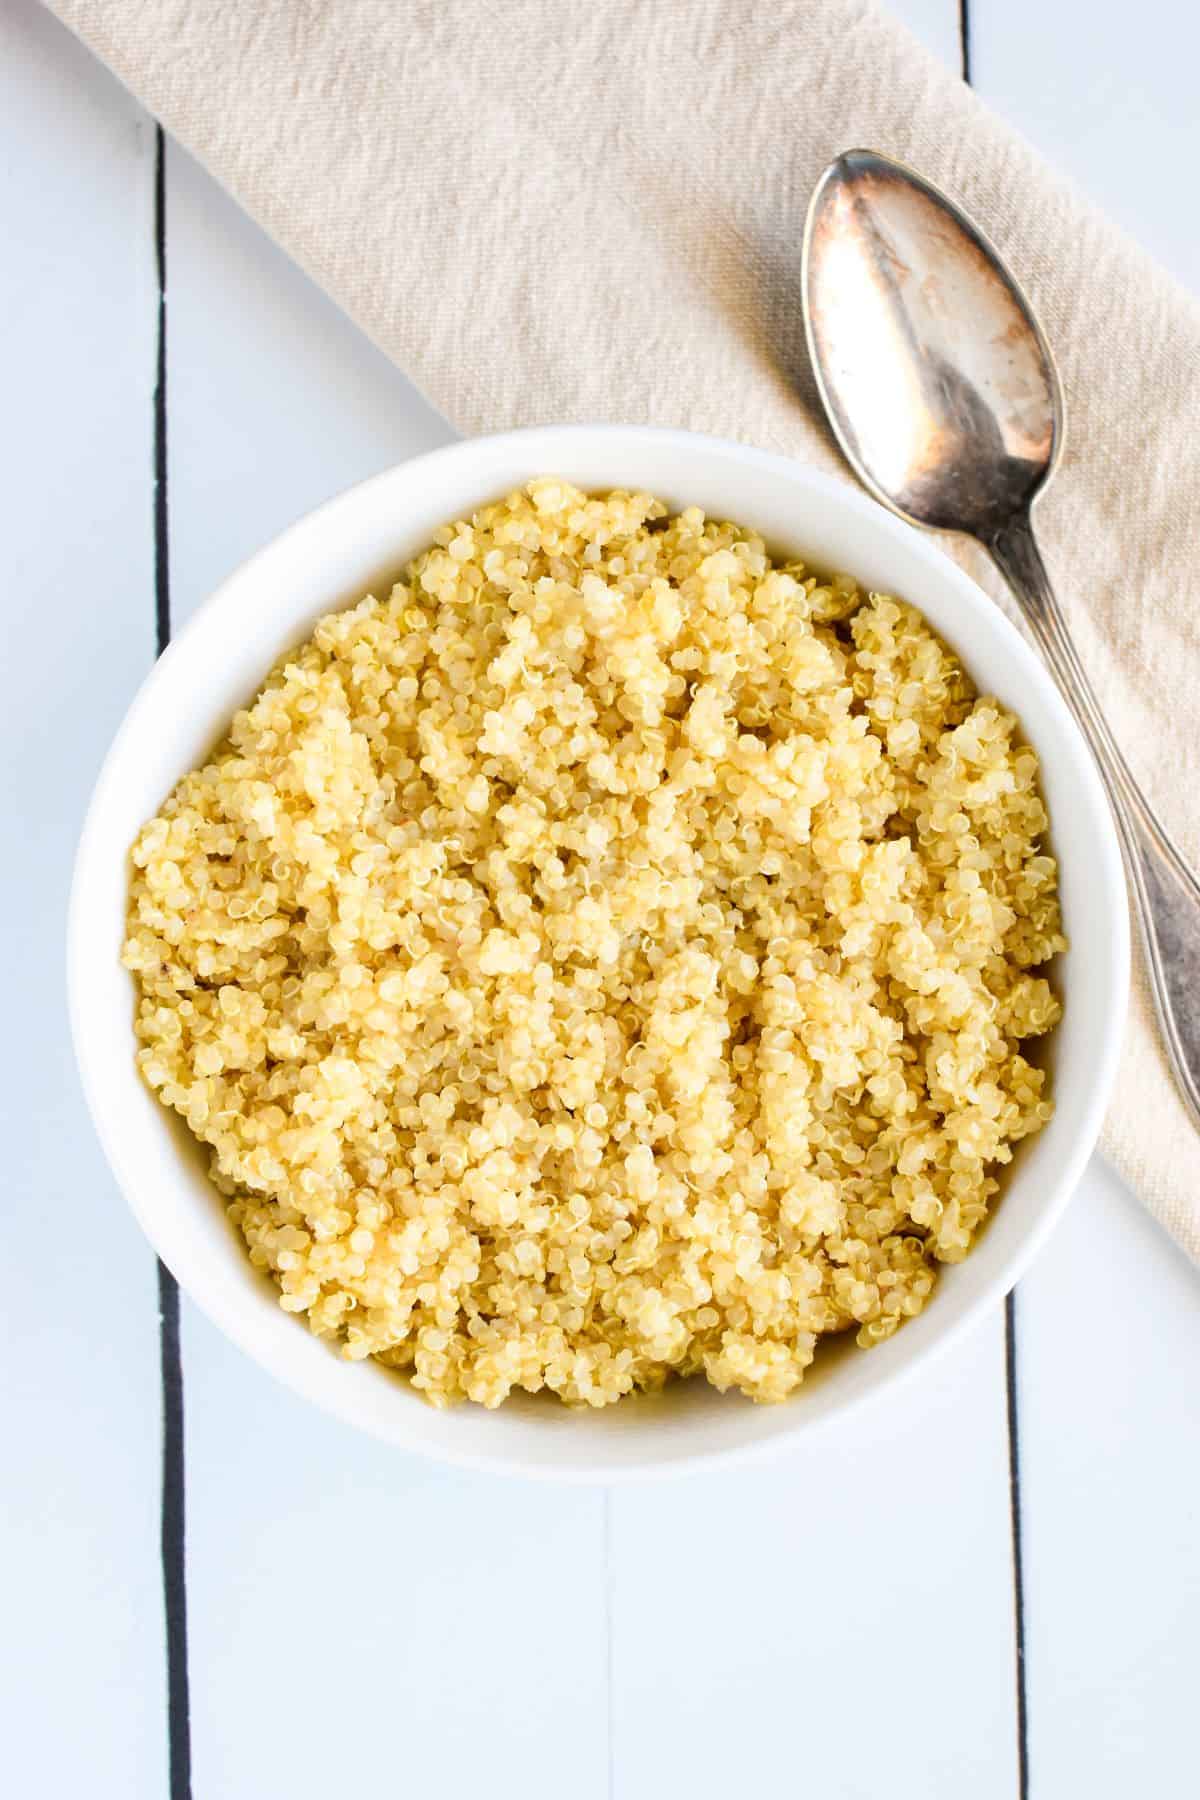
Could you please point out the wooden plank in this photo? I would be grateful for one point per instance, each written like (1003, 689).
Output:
(442, 1633)
(1109, 96)
(1109, 1318)
(838, 1622)
(276, 400)
(936, 24)
(363, 1620)
(81, 1667)
(1109, 1339)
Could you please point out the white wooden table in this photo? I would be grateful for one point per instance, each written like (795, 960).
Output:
(361, 1621)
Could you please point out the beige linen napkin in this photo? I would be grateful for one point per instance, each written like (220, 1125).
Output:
(591, 210)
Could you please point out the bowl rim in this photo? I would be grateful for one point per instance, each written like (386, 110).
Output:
(226, 1311)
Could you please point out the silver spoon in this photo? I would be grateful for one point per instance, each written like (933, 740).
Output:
(942, 391)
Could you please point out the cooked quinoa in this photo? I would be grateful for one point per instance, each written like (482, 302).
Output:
(609, 956)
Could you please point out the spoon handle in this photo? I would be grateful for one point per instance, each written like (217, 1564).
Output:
(1166, 892)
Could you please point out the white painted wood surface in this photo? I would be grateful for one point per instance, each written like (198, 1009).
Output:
(82, 1701)
(840, 1624)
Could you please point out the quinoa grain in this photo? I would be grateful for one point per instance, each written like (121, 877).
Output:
(608, 957)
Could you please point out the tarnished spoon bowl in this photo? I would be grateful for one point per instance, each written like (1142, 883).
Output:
(940, 386)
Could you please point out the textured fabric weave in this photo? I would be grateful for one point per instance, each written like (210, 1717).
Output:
(553, 210)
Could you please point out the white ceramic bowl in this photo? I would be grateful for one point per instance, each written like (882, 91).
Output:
(332, 557)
